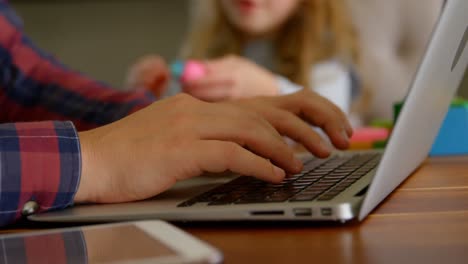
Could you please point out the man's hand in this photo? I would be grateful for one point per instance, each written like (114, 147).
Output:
(146, 153)
(181, 137)
(293, 114)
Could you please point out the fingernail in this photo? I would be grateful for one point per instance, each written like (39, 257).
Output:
(279, 173)
(298, 165)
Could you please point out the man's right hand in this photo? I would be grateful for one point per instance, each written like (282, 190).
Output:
(178, 138)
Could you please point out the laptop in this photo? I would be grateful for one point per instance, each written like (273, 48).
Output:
(347, 186)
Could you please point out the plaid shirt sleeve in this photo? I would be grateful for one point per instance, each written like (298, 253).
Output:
(34, 86)
(38, 162)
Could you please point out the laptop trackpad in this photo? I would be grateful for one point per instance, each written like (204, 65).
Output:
(192, 187)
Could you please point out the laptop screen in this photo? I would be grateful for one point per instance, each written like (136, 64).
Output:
(434, 85)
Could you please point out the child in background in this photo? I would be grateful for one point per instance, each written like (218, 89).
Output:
(270, 47)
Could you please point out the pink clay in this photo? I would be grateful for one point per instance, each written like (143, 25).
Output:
(193, 70)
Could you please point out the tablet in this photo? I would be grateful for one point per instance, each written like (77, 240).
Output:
(132, 242)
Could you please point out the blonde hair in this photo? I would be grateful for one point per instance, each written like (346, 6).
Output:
(318, 30)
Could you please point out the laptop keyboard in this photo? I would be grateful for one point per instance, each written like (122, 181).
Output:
(320, 180)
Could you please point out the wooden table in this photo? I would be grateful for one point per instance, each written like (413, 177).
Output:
(424, 221)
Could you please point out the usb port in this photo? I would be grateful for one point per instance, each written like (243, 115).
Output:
(302, 211)
(326, 211)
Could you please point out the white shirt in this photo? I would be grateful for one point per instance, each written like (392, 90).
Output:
(329, 78)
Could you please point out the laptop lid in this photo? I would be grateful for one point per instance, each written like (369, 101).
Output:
(434, 85)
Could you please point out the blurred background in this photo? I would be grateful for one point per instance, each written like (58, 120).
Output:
(102, 38)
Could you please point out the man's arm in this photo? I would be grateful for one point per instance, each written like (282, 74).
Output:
(38, 162)
(34, 86)
(134, 159)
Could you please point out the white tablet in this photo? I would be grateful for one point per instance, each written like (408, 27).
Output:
(133, 242)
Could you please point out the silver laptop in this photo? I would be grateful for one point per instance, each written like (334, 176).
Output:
(344, 187)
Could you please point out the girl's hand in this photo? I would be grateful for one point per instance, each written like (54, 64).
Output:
(149, 72)
(232, 77)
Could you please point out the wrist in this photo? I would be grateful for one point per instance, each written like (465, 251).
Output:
(88, 159)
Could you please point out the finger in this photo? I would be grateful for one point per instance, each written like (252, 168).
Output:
(222, 64)
(344, 118)
(341, 115)
(297, 129)
(322, 113)
(210, 80)
(334, 123)
(209, 88)
(150, 65)
(209, 93)
(250, 131)
(296, 101)
(214, 65)
(157, 86)
(219, 156)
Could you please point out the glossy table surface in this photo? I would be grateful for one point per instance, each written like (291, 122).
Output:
(424, 221)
